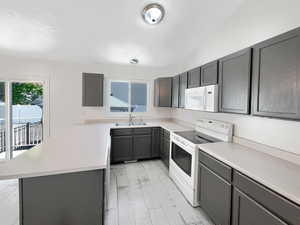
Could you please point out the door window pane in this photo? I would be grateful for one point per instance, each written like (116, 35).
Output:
(119, 99)
(27, 116)
(2, 121)
(138, 97)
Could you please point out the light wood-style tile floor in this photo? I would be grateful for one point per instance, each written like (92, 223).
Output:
(140, 194)
(143, 194)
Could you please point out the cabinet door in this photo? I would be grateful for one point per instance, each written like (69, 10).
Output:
(183, 86)
(121, 149)
(276, 77)
(234, 82)
(246, 211)
(161, 143)
(166, 152)
(155, 142)
(215, 196)
(156, 93)
(92, 89)
(209, 74)
(74, 198)
(194, 78)
(142, 147)
(163, 92)
(175, 92)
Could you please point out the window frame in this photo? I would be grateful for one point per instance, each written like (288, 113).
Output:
(8, 110)
(129, 96)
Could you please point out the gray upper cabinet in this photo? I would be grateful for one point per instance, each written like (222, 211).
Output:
(92, 89)
(183, 85)
(194, 78)
(209, 74)
(276, 77)
(235, 82)
(163, 92)
(175, 92)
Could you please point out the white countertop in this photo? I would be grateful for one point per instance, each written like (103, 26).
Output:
(81, 147)
(279, 175)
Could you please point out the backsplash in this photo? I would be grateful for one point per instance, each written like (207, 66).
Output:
(282, 134)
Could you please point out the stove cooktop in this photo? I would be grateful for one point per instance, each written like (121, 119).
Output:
(196, 137)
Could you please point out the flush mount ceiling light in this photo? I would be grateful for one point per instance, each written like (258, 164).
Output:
(134, 61)
(153, 13)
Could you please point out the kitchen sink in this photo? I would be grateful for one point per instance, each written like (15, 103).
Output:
(125, 124)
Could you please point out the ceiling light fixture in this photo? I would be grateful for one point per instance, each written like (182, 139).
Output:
(153, 13)
(134, 61)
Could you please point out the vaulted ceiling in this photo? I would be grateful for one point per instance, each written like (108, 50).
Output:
(109, 31)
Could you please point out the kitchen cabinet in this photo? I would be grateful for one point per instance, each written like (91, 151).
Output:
(276, 77)
(129, 144)
(92, 89)
(121, 148)
(161, 148)
(175, 91)
(163, 92)
(209, 74)
(214, 190)
(165, 146)
(194, 78)
(72, 198)
(155, 142)
(255, 204)
(183, 78)
(142, 147)
(248, 212)
(235, 82)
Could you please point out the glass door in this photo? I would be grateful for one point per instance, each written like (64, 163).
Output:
(21, 117)
(2, 121)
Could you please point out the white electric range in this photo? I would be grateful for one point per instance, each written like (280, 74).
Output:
(184, 154)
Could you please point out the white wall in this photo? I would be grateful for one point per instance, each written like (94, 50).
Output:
(253, 22)
(66, 88)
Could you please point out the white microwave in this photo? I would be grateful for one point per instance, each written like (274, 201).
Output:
(202, 98)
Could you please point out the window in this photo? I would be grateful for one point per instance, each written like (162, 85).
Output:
(126, 96)
(21, 117)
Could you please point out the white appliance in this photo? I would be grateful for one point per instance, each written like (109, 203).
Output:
(202, 98)
(184, 154)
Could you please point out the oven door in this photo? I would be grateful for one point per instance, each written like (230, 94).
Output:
(182, 159)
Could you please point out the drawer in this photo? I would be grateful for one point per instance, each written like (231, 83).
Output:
(216, 166)
(121, 132)
(146, 130)
(275, 203)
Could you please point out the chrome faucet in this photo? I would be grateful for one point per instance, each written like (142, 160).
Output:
(130, 119)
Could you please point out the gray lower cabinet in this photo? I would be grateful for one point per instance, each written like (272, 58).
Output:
(246, 211)
(235, 82)
(175, 91)
(165, 146)
(209, 73)
(121, 148)
(92, 89)
(163, 92)
(73, 198)
(258, 201)
(194, 79)
(142, 146)
(129, 144)
(183, 78)
(155, 153)
(214, 191)
(276, 77)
